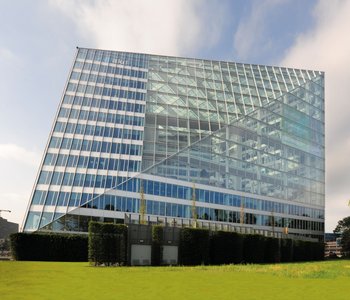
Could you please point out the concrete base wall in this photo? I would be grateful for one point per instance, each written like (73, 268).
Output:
(140, 255)
(170, 255)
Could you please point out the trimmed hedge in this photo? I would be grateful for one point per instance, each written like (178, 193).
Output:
(230, 247)
(254, 248)
(194, 246)
(49, 247)
(318, 251)
(157, 249)
(272, 250)
(307, 251)
(299, 251)
(286, 250)
(107, 243)
(226, 248)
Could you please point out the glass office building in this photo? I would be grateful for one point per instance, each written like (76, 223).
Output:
(241, 144)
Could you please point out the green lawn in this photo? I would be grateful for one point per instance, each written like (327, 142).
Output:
(55, 280)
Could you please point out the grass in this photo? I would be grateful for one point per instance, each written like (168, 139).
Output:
(56, 280)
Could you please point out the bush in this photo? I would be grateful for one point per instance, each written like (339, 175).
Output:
(272, 250)
(107, 243)
(49, 247)
(254, 248)
(315, 251)
(286, 250)
(319, 251)
(226, 248)
(299, 251)
(308, 251)
(333, 255)
(194, 246)
(157, 238)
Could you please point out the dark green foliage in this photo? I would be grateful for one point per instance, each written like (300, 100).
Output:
(49, 247)
(315, 251)
(345, 243)
(226, 248)
(254, 248)
(343, 228)
(272, 250)
(229, 247)
(194, 246)
(5, 245)
(157, 238)
(342, 225)
(307, 251)
(319, 251)
(286, 250)
(298, 251)
(332, 256)
(107, 243)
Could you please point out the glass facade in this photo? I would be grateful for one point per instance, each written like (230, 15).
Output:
(246, 140)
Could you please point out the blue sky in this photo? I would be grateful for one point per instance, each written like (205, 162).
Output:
(39, 39)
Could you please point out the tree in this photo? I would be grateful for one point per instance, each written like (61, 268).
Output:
(4, 245)
(343, 228)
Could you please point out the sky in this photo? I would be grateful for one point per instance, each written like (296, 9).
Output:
(38, 40)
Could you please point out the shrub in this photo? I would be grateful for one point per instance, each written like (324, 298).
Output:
(319, 251)
(49, 247)
(254, 248)
(157, 238)
(299, 251)
(308, 251)
(107, 243)
(333, 255)
(315, 251)
(194, 246)
(272, 250)
(286, 250)
(226, 248)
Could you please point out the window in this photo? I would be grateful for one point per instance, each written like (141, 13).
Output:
(38, 197)
(51, 198)
(63, 199)
(44, 177)
(57, 178)
(32, 222)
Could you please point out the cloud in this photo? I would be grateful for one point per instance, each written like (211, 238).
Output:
(46, 31)
(251, 37)
(326, 47)
(157, 26)
(18, 168)
(16, 202)
(18, 154)
(7, 55)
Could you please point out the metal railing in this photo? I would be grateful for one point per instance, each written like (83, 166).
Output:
(134, 218)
